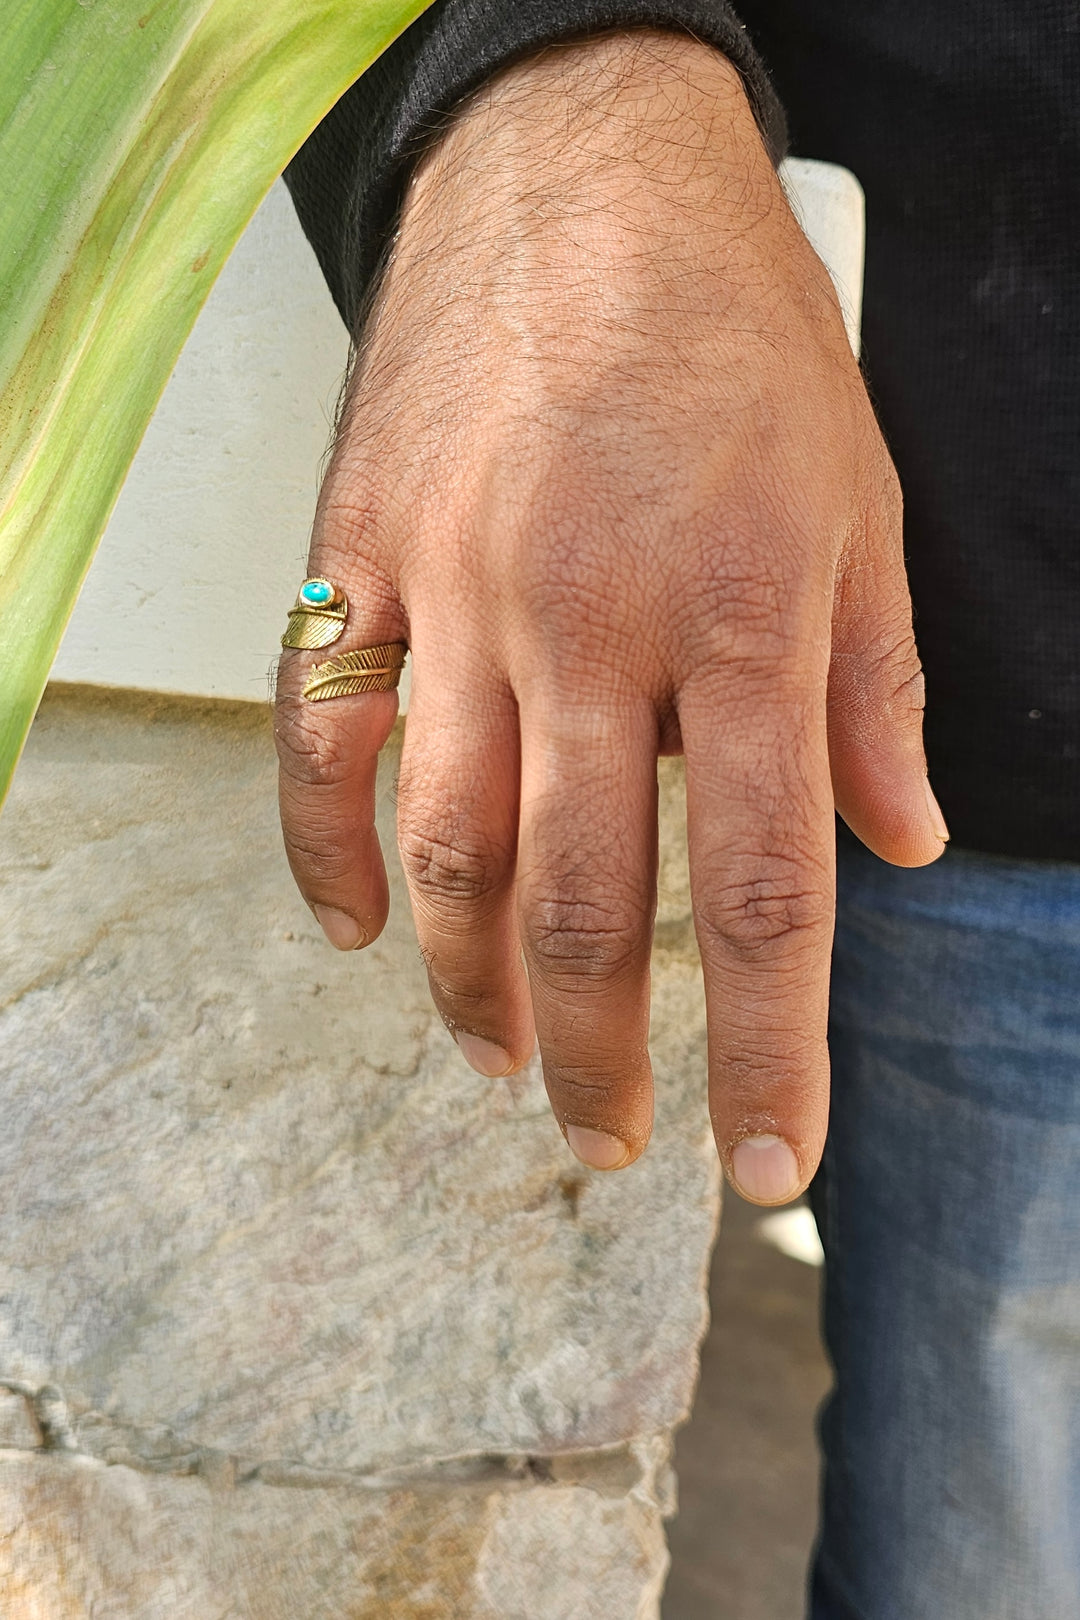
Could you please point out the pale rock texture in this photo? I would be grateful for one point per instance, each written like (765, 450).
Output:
(79, 1538)
(299, 1316)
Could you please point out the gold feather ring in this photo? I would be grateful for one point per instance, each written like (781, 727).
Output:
(369, 669)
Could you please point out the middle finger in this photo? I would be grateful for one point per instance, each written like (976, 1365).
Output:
(586, 899)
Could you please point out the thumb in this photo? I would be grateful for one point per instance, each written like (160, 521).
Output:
(875, 699)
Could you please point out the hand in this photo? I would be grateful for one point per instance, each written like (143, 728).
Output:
(607, 464)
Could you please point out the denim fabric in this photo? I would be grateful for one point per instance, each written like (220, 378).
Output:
(949, 1206)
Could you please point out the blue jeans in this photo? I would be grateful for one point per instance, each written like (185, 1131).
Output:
(949, 1206)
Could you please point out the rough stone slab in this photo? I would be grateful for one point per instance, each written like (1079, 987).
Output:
(260, 1222)
(80, 1538)
(19, 1427)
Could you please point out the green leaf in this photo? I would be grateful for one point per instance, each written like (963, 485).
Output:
(137, 138)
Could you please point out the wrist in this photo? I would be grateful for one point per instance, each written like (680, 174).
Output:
(630, 137)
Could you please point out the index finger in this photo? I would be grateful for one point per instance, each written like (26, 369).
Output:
(762, 871)
(328, 753)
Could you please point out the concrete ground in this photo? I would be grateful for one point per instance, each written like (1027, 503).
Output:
(746, 1461)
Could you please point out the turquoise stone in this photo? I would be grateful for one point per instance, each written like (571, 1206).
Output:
(316, 592)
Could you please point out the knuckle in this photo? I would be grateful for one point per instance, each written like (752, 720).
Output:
(461, 1004)
(310, 756)
(572, 620)
(321, 853)
(442, 867)
(887, 491)
(584, 938)
(909, 691)
(753, 609)
(896, 673)
(765, 913)
(583, 1091)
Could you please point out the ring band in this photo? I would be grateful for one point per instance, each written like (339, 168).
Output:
(318, 617)
(369, 669)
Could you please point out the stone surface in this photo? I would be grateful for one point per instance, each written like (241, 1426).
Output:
(80, 1538)
(261, 1224)
(19, 1427)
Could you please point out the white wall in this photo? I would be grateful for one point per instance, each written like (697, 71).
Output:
(207, 545)
(208, 542)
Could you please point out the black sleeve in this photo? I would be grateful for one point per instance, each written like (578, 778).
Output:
(348, 179)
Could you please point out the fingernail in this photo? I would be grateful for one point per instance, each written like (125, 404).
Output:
(343, 931)
(596, 1148)
(764, 1169)
(484, 1056)
(937, 820)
